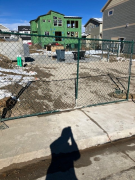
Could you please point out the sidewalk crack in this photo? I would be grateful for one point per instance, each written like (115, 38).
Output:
(128, 156)
(97, 124)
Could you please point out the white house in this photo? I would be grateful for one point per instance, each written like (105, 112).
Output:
(4, 29)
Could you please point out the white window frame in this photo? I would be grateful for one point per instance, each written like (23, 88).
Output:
(57, 19)
(112, 12)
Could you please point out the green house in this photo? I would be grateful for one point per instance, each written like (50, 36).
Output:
(56, 24)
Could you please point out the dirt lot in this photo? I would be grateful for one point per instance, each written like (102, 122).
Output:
(56, 87)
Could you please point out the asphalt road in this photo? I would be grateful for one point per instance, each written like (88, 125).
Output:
(114, 161)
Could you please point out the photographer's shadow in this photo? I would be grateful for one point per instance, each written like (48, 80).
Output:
(63, 157)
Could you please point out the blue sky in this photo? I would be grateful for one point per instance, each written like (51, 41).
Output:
(14, 12)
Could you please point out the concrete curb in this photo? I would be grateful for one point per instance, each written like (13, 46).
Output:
(30, 138)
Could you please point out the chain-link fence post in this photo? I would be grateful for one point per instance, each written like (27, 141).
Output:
(130, 65)
(77, 75)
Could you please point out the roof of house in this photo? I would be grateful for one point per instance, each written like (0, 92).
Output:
(105, 6)
(49, 12)
(75, 17)
(55, 12)
(2, 27)
(99, 20)
(84, 34)
(23, 28)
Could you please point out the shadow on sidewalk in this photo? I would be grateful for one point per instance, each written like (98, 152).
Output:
(63, 157)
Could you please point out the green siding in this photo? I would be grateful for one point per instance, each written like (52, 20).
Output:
(33, 31)
(49, 26)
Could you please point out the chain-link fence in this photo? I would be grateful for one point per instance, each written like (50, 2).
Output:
(58, 73)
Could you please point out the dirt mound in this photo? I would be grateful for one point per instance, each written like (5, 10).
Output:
(122, 95)
(5, 62)
(35, 47)
(34, 51)
(2, 40)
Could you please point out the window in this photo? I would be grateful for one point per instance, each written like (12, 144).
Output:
(110, 13)
(47, 33)
(49, 20)
(68, 24)
(26, 32)
(37, 25)
(44, 20)
(57, 21)
(72, 34)
(72, 24)
(76, 34)
(68, 34)
(34, 31)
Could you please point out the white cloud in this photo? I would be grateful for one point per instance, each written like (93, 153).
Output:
(83, 28)
(14, 26)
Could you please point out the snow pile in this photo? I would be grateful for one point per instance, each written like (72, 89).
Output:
(8, 79)
(95, 52)
(16, 71)
(4, 93)
(25, 80)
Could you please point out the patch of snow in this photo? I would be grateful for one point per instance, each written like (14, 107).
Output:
(16, 71)
(98, 19)
(69, 52)
(95, 56)
(95, 52)
(121, 59)
(4, 93)
(34, 54)
(32, 73)
(4, 83)
(25, 80)
(10, 77)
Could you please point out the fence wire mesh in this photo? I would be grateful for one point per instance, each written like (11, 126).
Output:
(64, 72)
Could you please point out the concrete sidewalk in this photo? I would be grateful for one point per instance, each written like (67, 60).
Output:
(30, 138)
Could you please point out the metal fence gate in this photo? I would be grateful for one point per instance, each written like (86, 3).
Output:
(59, 73)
